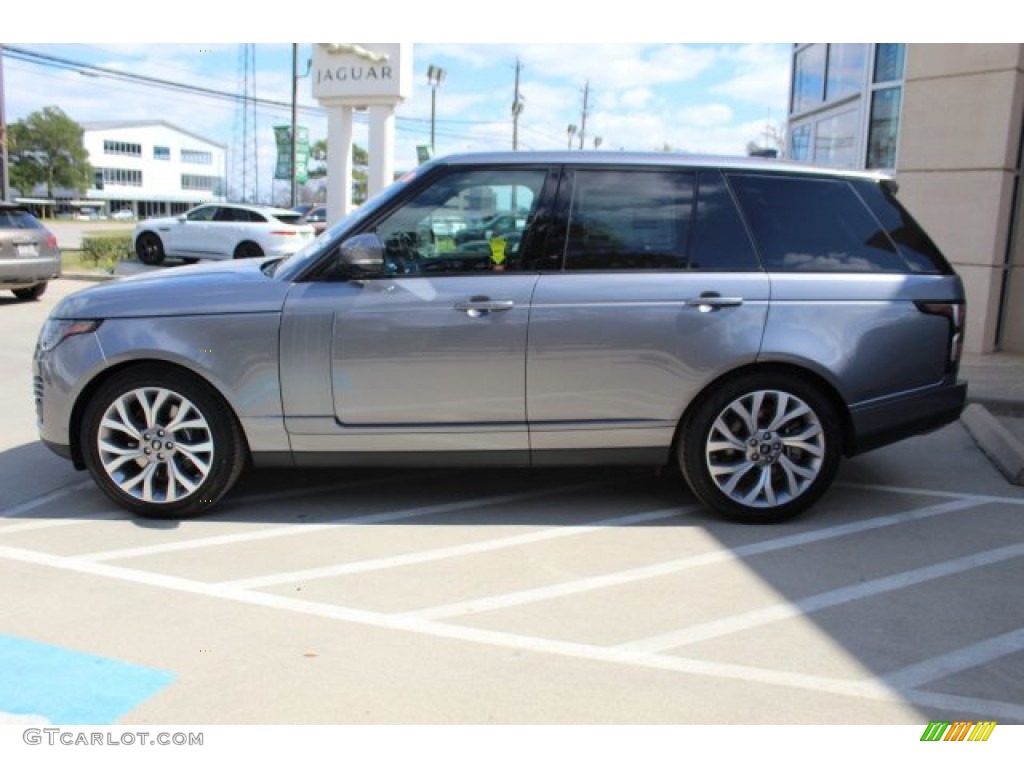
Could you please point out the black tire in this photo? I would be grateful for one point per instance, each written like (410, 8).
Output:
(149, 249)
(206, 449)
(248, 250)
(29, 294)
(770, 474)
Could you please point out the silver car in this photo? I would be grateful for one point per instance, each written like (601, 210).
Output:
(750, 322)
(29, 256)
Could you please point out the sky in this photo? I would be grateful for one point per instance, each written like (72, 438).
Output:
(696, 95)
(707, 98)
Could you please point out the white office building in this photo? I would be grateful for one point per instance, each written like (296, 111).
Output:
(152, 167)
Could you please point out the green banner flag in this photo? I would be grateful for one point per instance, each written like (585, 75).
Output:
(283, 136)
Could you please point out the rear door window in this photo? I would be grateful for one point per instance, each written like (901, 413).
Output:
(720, 241)
(814, 225)
(629, 220)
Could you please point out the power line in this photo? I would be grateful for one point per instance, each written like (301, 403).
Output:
(62, 63)
(58, 62)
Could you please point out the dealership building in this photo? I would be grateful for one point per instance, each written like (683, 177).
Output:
(152, 167)
(947, 121)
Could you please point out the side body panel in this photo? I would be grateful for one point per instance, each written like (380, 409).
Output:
(613, 359)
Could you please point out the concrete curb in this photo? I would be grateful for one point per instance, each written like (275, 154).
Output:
(995, 441)
(91, 277)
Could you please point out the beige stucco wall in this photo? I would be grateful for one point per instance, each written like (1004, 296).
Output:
(1013, 320)
(960, 133)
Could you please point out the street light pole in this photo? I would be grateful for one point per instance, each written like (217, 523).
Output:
(435, 76)
(295, 89)
(571, 130)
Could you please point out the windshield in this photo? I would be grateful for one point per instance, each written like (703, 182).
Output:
(295, 264)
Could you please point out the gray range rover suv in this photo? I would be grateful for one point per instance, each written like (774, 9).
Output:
(747, 321)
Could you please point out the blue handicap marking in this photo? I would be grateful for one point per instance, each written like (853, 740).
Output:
(71, 688)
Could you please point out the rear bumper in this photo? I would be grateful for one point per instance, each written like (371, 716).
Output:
(877, 424)
(25, 272)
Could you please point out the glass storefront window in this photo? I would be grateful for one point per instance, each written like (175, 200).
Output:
(800, 143)
(889, 59)
(809, 77)
(847, 66)
(835, 141)
(884, 129)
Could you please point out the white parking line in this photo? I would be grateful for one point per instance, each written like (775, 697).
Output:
(508, 600)
(868, 689)
(981, 498)
(762, 616)
(441, 553)
(231, 501)
(61, 522)
(331, 524)
(973, 655)
(46, 498)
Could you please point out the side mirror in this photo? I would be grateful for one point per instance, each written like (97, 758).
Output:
(362, 254)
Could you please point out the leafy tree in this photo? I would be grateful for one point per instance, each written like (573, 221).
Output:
(318, 153)
(46, 147)
(360, 158)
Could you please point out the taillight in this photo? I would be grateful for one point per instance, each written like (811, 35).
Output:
(953, 311)
(289, 232)
(51, 239)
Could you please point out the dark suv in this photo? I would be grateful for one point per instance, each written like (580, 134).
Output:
(29, 255)
(749, 321)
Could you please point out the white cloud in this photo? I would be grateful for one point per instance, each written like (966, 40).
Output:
(760, 75)
(707, 115)
(636, 98)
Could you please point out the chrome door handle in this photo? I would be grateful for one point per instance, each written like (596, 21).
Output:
(480, 307)
(713, 302)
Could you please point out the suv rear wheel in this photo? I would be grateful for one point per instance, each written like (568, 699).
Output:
(29, 294)
(761, 448)
(149, 249)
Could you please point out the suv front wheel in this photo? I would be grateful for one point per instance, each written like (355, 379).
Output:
(761, 448)
(160, 443)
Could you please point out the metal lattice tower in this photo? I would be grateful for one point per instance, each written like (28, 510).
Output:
(244, 157)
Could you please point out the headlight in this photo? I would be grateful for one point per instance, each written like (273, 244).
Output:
(55, 331)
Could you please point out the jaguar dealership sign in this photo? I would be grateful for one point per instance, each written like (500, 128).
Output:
(362, 73)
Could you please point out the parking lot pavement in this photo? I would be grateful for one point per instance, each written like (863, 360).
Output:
(523, 596)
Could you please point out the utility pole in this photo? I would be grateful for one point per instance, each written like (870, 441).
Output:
(5, 179)
(583, 119)
(517, 108)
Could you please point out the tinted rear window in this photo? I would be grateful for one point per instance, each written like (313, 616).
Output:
(914, 245)
(814, 225)
(16, 219)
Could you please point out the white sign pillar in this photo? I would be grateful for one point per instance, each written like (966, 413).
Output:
(339, 175)
(382, 142)
(347, 76)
